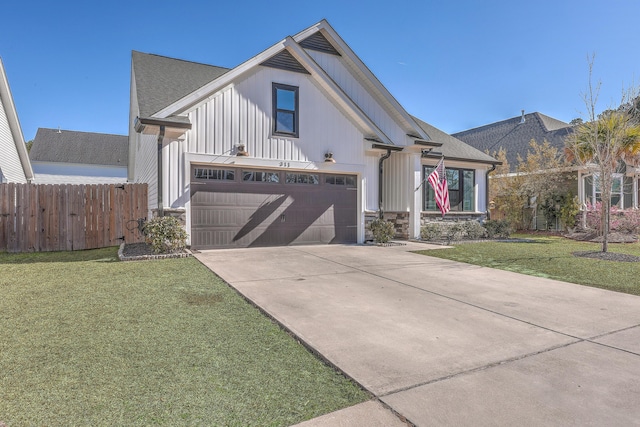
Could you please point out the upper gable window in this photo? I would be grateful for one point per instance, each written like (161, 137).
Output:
(285, 110)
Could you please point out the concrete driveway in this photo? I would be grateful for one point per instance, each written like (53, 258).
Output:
(445, 343)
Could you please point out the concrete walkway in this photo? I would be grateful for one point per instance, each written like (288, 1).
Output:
(445, 343)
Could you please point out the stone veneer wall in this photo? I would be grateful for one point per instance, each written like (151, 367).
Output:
(400, 222)
(432, 216)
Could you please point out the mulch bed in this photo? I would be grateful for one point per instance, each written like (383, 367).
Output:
(593, 236)
(143, 251)
(614, 237)
(608, 256)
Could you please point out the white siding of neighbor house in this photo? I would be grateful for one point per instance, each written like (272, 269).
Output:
(334, 66)
(10, 164)
(70, 173)
(134, 111)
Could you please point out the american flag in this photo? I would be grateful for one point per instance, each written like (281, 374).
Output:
(438, 180)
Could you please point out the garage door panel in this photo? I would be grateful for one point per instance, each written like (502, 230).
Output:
(245, 214)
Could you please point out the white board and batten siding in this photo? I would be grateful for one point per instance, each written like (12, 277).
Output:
(335, 67)
(146, 164)
(241, 114)
(69, 173)
(10, 166)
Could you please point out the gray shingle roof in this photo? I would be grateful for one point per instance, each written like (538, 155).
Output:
(161, 81)
(453, 147)
(66, 146)
(515, 137)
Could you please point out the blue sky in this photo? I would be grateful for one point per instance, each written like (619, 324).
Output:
(454, 64)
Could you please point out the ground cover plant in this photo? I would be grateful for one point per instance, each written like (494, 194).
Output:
(89, 340)
(552, 257)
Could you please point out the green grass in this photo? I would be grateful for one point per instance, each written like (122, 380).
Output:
(88, 340)
(552, 257)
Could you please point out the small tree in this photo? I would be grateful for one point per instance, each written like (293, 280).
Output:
(601, 143)
(539, 175)
(505, 190)
(542, 170)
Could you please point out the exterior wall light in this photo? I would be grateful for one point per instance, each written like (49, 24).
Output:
(240, 151)
(328, 157)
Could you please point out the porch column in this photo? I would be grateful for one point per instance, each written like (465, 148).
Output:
(415, 199)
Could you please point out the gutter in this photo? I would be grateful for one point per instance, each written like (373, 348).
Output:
(493, 167)
(437, 155)
(380, 170)
(389, 149)
(159, 190)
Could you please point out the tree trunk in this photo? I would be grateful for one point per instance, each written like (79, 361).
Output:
(605, 224)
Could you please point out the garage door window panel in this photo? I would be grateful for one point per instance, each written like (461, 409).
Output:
(302, 178)
(342, 180)
(214, 174)
(261, 176)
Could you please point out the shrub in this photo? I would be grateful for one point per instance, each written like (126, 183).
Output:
(568, 211)
(431, 231)
(473, 229)
(499, 228)
(165, 235)
(382, 230)
(455, 232)
(629, 222)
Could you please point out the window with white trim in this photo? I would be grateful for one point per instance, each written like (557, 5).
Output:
(593, 189)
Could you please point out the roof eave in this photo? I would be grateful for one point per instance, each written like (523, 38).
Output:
(14, 124)
(152, 125)
(347, 52)
(432, 155)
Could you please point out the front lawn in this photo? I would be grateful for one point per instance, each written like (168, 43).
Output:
(552, 257)
(89, 340)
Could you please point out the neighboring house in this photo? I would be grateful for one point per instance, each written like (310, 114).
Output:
(72, 157)
(14, 159)
(289, 147)
(514, 136)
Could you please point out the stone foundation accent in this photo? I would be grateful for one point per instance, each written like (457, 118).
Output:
(433, 216)
(401, 222)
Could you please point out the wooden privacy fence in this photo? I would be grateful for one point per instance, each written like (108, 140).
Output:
(69, 217)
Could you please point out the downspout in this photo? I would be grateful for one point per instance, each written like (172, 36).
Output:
(493, 167)
(380, 169)
(160, 189)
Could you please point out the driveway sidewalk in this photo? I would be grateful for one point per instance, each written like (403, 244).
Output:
(445, 343)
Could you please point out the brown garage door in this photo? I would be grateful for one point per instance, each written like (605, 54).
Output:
(233, 207)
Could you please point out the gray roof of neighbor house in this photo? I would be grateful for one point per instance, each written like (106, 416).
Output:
(161, 81)
(67, 146)
(454, 148)
(515, 136)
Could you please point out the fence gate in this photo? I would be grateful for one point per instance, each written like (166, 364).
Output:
(68, 217)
